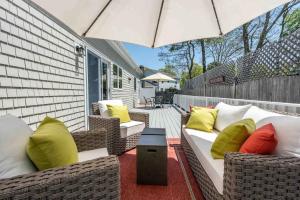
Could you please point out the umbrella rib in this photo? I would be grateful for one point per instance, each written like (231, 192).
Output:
(158, 21)
(100, 13)
(216, 15)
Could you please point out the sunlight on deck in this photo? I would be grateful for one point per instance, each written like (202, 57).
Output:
(167, 117)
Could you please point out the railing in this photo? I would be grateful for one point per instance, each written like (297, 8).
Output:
(184, 102)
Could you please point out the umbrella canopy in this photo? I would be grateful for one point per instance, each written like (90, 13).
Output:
(155, 23)
(158, 77)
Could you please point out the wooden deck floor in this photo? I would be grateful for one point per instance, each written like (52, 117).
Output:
(167, 117)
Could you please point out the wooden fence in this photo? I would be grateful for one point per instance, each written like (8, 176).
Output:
(269, 74)
(184, 102)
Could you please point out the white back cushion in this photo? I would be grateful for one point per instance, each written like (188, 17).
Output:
(103, 107)
(201, 143)
(130, 128)
(229, 114)
(14, 134)
(258, 114)
(287, 132)
(92, 154)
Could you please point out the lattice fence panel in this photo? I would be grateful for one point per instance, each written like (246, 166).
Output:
(281, 58)
(228, 71)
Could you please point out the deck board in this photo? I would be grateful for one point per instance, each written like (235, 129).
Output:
(167, 117)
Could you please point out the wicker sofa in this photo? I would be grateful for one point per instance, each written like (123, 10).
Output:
(94, 179)
(116, 144)
(245, 176)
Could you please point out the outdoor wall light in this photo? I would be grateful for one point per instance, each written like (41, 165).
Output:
(80, 51)
(129, 79)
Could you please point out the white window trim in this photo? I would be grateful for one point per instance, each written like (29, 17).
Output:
(118, 77)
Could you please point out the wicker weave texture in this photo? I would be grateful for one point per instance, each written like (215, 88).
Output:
(94, 179)
(115, 144)
(248, 176)
(89, 140)
(206, 185)
(111, 125)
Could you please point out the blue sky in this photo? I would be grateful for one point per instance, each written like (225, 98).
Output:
(147, 56)
(144, 56)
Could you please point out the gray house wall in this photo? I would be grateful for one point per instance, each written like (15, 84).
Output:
(127, 93)
(40, 73)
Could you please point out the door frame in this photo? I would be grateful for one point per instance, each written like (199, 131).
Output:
(108, 83)
(101, 56)
(87, 78)
(100, 61)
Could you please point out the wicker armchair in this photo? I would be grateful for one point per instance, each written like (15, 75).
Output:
(115, 143)
(248, 176)
(94, 179)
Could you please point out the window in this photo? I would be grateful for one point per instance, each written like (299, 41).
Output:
(120, 78)
(134, 84)
(117, 76)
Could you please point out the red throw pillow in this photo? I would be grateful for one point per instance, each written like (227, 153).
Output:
(261, 141)
(210, 107)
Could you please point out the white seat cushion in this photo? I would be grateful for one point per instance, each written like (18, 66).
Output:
(103, 107)
(258, 114)
(14, 135)
(288, 134)
(228, 114)
(201, 143)
(130, 128)
(92, 154)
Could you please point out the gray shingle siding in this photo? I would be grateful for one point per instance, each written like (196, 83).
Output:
(40, 73)
(127, 93)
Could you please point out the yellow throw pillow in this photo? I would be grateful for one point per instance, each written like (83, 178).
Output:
(202, 119)
(119, 111)
(232, 138)
(52, 145)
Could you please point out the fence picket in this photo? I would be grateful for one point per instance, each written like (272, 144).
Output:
(269, 74)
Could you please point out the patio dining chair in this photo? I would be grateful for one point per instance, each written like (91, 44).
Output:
(121, 137)
(158, 101)
(148, 101)
(167, 98)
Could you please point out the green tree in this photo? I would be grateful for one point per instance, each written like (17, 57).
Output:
(169, 69)
(197, 70)
(266, 28)
(213, 65)
(292, 22)
(180, 55)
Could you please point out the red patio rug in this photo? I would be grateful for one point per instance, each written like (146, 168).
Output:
(181, 182)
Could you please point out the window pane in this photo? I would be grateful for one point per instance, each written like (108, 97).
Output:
(104, 81)
(115, 83)
(120, 72)
(115, 70)
(93, 79)
(134, 84)
(120, 83)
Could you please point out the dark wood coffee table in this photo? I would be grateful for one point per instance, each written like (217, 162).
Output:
(152, 157)
(154, 131)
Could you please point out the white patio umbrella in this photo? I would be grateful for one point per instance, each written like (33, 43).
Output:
(159, 77)
(155, 23)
